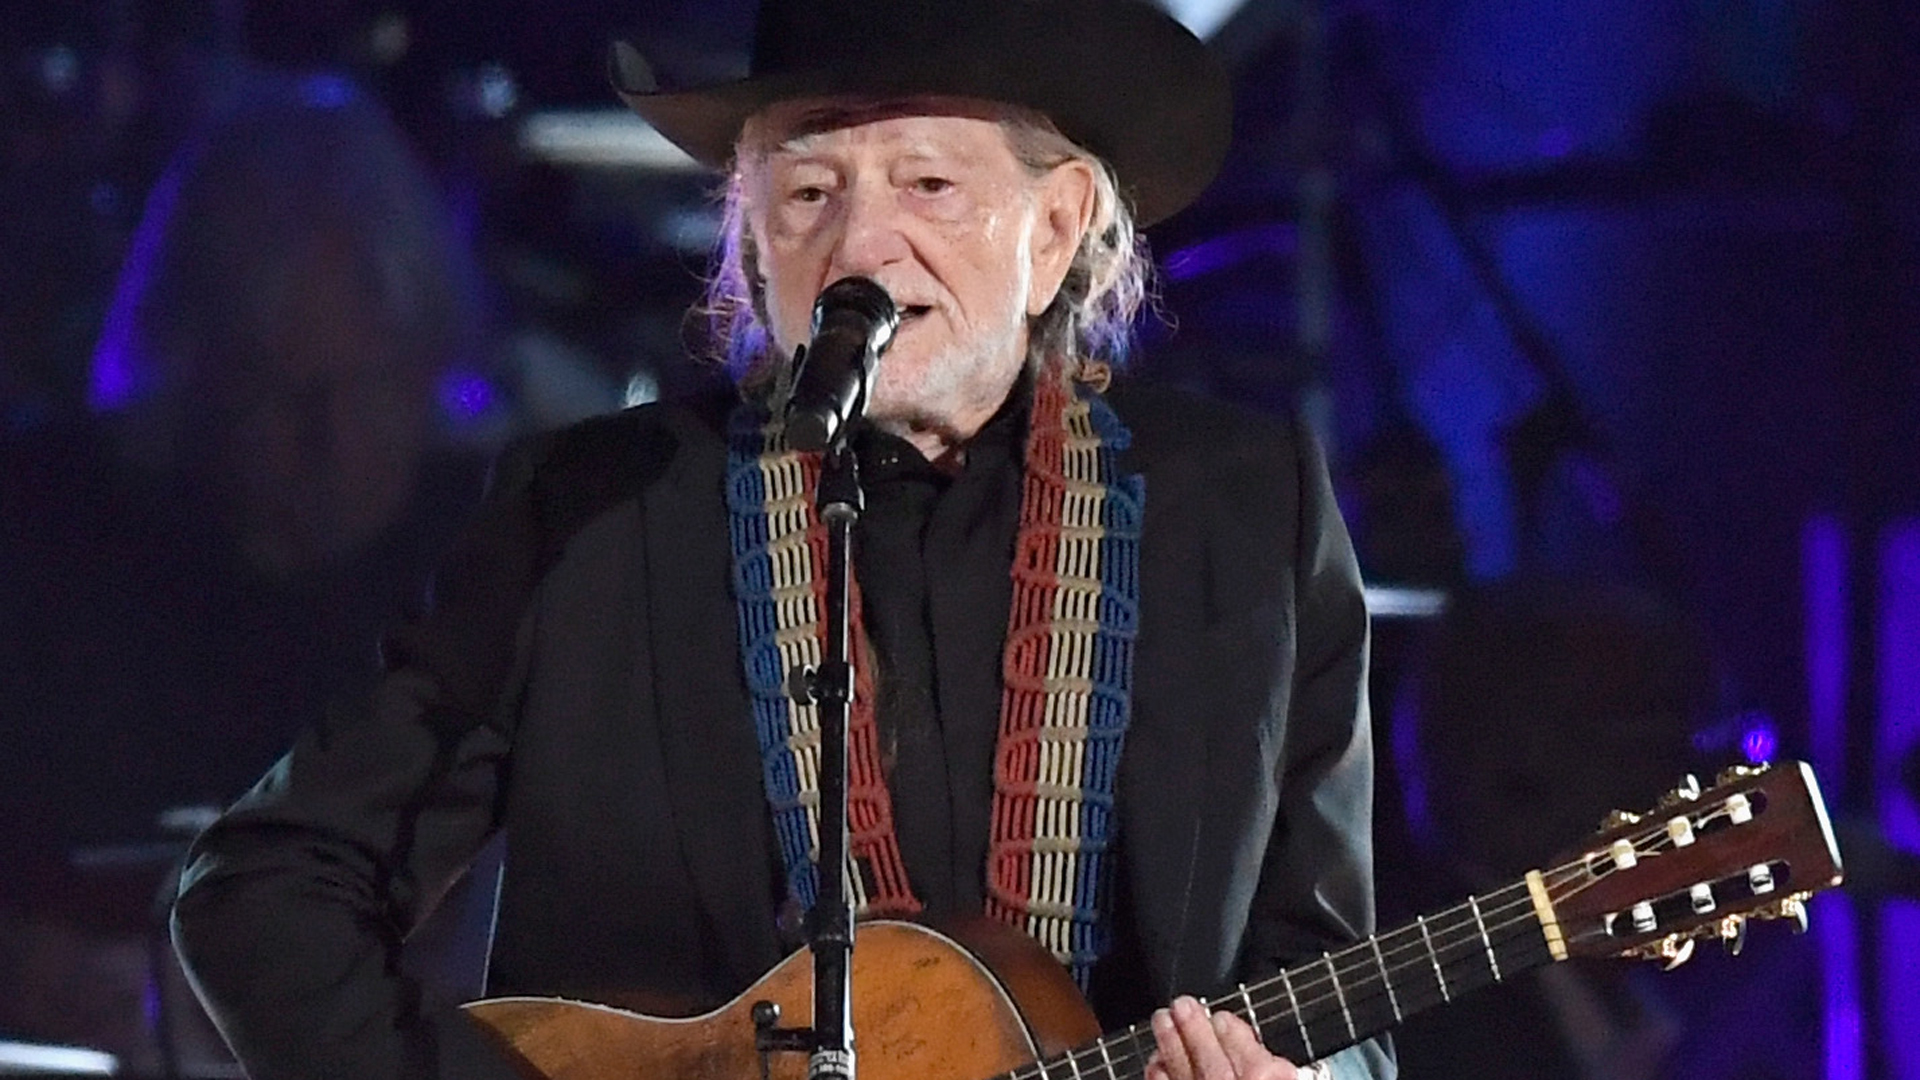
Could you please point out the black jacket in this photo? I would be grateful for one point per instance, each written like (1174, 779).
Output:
(577, 683)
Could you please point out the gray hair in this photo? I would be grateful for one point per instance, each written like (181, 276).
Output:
(1089, 323)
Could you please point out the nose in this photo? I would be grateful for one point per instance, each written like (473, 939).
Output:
(870, 237)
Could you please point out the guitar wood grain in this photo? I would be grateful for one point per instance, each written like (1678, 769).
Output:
(928, 1005)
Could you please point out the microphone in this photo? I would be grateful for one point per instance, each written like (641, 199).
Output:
(853, 323)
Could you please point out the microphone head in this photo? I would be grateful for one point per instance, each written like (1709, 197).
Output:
(861, 298)
(853, 323)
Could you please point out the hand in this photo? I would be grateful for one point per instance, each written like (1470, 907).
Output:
(1193, 1046)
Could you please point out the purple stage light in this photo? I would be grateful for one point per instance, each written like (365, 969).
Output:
(1408, 761)
(326, 90)
(119, 373)
(1232, 249)
(1900, 1003)
(1556, 142)
(1899, 677)
(1833, 919)
(1823, 564)
(1759, 741)
(465, 396)
(1898, 737)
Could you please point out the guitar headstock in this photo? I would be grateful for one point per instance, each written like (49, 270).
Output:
(1755, 845)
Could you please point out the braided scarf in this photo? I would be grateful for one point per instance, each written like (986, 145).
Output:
(1067, 672)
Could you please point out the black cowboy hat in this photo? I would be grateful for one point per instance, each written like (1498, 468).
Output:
(1120, 77)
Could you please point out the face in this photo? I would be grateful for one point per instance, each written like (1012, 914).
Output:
(326, 429)
(938, 210)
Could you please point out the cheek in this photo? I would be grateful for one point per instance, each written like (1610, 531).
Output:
(1001, 263)
(788, 273)
(788, 311)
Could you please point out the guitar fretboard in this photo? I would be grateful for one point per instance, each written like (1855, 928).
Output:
(1314, 1009)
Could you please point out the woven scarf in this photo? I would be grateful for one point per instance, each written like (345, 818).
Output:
(1067, 673)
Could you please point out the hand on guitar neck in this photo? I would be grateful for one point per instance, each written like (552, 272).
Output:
(985, 1001)
(1195, 1044)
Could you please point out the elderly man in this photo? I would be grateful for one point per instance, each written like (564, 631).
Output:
(1159, 585)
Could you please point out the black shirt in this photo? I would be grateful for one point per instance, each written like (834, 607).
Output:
(932, 554)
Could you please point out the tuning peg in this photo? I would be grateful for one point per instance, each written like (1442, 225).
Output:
(1672, 951)
(1681, 954)
(1795, 908)
(1617, 819)
(1688, 790)
(1738, 772)
(1733, 934)
(1792, 908)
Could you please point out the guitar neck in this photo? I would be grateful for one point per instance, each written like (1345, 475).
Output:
(1314, 1009)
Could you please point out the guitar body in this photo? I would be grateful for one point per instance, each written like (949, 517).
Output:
(982, 1000)
(971, 1002)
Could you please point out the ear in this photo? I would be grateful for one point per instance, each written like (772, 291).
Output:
(1064, 208)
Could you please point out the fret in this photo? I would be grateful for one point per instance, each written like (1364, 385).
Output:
(1386, 978)
(1433, 958)
(1456, 942)
(1253, 1015)
(1334, 974)
(1293, 1002)
(1493, 962)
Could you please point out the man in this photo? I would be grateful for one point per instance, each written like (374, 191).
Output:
(1114, 644)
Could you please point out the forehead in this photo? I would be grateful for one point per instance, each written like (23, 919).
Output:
(924, 124)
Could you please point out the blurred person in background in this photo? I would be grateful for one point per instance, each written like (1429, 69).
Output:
(275, 474)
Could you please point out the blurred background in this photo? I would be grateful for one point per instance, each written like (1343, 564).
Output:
(1607, 312)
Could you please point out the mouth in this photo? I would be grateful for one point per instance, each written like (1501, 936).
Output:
(913, 311)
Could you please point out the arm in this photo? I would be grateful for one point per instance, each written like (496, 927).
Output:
(1316, 885)
(293, 906)
(1315, 889)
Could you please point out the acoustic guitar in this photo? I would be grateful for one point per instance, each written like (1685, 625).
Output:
(985, 1001)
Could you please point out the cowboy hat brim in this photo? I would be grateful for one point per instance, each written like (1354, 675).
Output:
(1120, 78)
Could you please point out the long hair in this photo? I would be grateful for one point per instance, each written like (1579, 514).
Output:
(1089, 322)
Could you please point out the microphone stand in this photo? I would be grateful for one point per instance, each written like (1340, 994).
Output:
(852, 313)
(830, 933)
(829, 688)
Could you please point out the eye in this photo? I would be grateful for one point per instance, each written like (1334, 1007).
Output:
(932, 185)
(810, 193)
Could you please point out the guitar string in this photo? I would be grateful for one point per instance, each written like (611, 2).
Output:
(1072, 1059)
(1138, 1049)
(1132, 1035)
(1651, 841)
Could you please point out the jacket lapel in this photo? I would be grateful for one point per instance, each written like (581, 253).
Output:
(713, 765)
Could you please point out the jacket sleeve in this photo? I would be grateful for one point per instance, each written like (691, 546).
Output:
(293, 906)
(1316, 884)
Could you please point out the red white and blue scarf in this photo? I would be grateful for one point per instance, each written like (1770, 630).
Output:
(1067, 673)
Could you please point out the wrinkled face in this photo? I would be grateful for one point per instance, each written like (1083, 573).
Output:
(938, 211)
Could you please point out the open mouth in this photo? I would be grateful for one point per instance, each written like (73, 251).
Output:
(914, 311)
